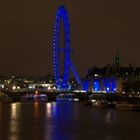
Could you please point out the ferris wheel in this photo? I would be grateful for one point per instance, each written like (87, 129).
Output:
(62, 81)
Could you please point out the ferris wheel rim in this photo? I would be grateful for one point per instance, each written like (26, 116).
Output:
(61, 16)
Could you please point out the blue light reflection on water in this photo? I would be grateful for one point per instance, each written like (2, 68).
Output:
(60, 117)
(66, 121)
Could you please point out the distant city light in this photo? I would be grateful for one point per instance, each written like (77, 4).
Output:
(14, 87)
(18, 87)
(107, 88)
(114, 89)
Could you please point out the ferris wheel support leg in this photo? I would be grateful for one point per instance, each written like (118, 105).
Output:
(76, 75)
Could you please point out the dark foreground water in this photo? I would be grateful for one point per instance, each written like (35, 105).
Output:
(66, 121)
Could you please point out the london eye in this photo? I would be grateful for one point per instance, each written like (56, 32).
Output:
(62, 81)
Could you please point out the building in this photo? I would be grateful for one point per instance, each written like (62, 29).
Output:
(113, 78)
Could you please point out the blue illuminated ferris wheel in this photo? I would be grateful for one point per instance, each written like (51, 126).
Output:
(62, 81)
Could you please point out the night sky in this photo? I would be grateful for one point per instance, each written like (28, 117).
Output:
(99, 30)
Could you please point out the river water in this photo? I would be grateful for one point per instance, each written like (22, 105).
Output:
(66, 121)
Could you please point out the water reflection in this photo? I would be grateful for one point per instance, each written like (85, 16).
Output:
(0, 111)
(15, 110)
(36, 109)
(60, 117)
(50, 110)
(110, 117)
(65, 121)
(14, 121)
(63, 111)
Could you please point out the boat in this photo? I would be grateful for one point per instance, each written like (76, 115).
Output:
(5, 98)
(34, 98)
(101, 102)
(67, 97)
(42, 98)
(128, 106)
